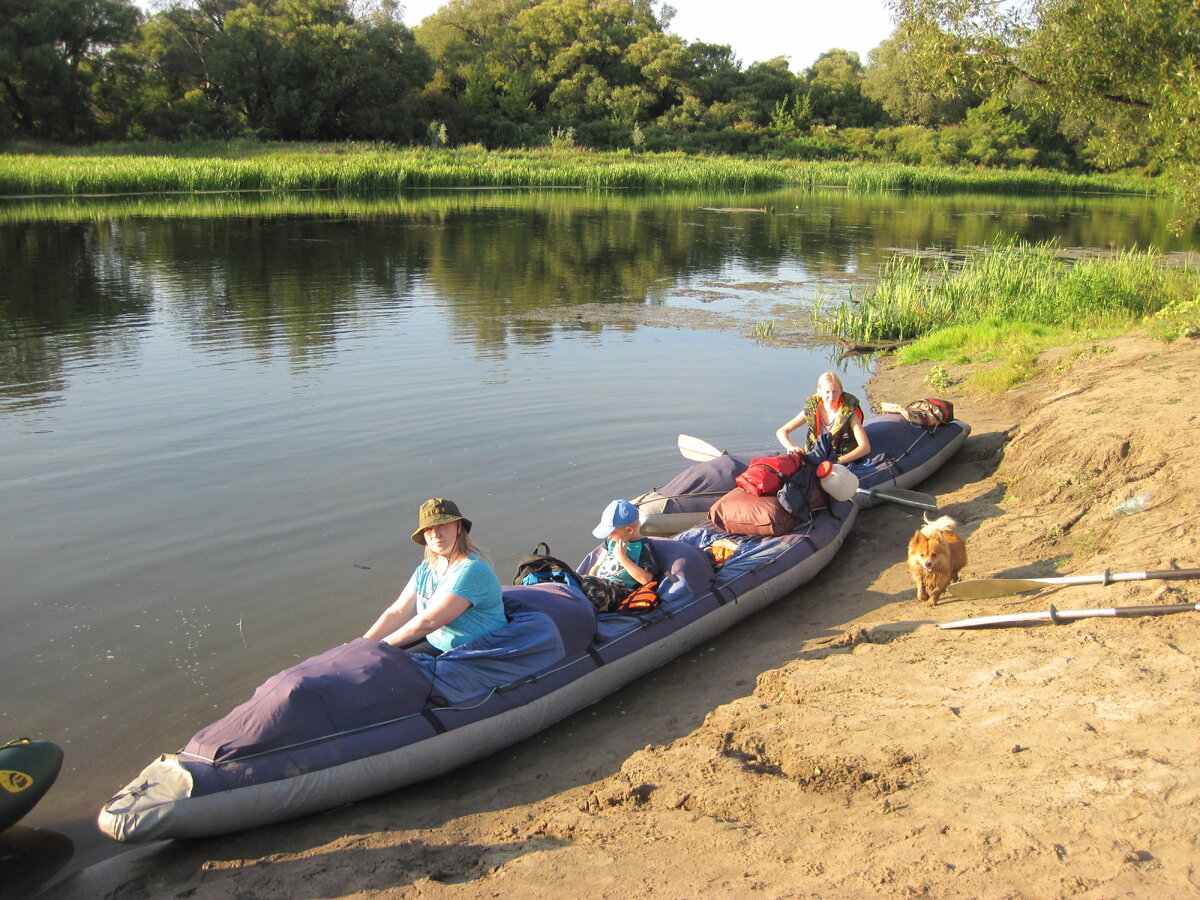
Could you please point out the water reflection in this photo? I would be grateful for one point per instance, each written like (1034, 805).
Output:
(287, 273)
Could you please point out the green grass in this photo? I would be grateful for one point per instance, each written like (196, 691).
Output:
(350, 170)
(1006, 304)
(27, 170)
(763, 330)
(1021, 365)
(959, 309)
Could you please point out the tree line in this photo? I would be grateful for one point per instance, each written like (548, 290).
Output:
(1077, 85)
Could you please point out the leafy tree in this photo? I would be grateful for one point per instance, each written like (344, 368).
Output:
(835, 91)
(765, 85)
(892, 80)
(288, 69)
(595, 59)
(51, 54)
(1131, 69)
(712, 72)
(836, 68)
(463, 30)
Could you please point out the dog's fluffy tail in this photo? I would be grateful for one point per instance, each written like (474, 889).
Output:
(945, 523)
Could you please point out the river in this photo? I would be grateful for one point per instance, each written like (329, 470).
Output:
(219, 414)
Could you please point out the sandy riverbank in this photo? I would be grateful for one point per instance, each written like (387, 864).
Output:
(839, 744)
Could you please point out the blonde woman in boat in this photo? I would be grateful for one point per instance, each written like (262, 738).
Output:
(834, 411)
(453, 596)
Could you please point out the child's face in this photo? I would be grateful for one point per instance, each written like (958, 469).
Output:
(623, 533)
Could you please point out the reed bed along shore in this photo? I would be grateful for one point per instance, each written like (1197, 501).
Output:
(351, 169)
(992, 294)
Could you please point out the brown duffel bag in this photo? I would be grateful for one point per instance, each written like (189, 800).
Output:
(740, 512)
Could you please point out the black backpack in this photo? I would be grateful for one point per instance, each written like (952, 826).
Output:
(542, 568)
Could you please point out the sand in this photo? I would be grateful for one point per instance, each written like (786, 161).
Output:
(839, 744)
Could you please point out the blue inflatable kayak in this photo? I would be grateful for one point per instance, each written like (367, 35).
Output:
(365, 718)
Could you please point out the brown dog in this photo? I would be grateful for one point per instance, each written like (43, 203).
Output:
(936, 554)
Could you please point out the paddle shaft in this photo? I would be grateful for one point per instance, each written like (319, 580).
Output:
(903, 497)
(1069, 615)
(983, 588)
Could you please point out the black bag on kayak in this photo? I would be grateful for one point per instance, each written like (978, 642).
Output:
(802, 493)
(542, 568)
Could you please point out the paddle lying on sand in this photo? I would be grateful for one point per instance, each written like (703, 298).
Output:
(1061, 616)
(982, 588)
(701, 451)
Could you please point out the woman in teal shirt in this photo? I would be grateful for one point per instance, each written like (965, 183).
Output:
(452, 597)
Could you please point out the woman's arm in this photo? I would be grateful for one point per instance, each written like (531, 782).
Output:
(445, 608)
(395, 615)
(783, 435)
(864, 444)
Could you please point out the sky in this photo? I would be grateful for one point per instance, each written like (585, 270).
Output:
(801, 30)
(757, 30)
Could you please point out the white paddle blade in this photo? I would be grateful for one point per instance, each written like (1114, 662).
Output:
(695, 449)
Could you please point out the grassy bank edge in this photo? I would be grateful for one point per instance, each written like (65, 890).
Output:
(1000, 308)
(349, 168)
(1006, 355)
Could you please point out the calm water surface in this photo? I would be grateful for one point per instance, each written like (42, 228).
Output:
(219, 416)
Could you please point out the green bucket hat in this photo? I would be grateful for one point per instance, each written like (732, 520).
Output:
(438, 512)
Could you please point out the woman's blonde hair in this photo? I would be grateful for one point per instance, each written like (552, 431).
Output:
(833, 378)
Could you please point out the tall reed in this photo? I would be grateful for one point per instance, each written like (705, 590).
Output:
(157, 168)
(374, 170)
(1010, 283)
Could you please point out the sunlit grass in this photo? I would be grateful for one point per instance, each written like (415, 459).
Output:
(983, 341)
(1001, 307)
(368, 170)
(359, 168)
(1021, 365)
(996, 293)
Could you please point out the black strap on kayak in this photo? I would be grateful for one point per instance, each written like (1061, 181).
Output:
(722, 597)
(433, 720)
(894, 462)
(520, 682)
(660, 613)
(595, 655)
